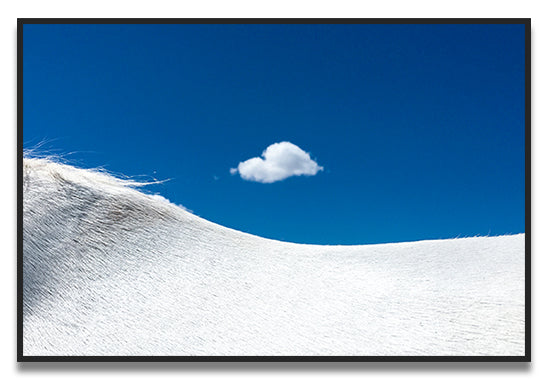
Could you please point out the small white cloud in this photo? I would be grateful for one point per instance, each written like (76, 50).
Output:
(279, 161)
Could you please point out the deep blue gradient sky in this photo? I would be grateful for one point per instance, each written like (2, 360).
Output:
(420, 128)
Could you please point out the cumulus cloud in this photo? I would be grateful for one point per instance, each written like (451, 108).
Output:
(279, 161)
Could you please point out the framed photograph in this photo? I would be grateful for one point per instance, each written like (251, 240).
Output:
(274, 189)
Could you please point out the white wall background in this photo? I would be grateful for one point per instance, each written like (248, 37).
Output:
(9, 12)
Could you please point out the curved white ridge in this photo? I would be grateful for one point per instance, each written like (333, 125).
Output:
(109, 270)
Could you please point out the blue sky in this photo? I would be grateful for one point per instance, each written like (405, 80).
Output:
(419, 129)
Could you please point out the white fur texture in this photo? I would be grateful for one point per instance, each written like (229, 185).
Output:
(109, 270)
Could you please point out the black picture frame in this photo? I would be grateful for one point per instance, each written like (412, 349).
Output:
(25, 358)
